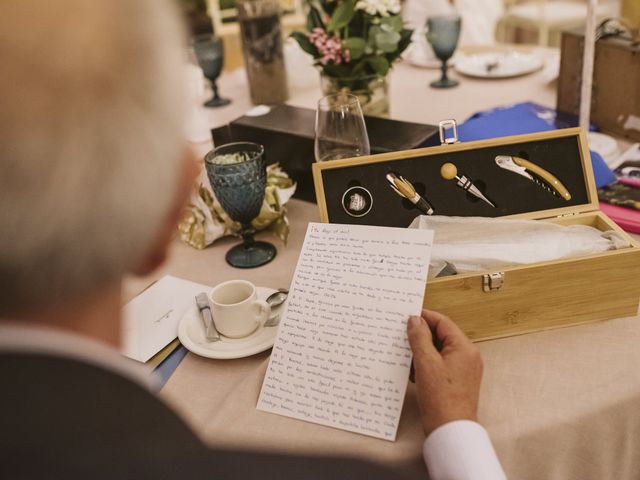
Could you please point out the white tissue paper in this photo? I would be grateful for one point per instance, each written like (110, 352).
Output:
(471, 244)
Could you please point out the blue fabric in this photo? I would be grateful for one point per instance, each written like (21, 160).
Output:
(169, 364)
(527, 118)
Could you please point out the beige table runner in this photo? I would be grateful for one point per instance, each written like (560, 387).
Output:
(562, 404)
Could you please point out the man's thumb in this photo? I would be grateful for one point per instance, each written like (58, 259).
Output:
(420, 337)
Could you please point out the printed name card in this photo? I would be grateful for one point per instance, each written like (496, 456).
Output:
(342, 357)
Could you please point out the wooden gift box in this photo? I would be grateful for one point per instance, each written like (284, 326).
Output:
(615, 103)
(517, 299)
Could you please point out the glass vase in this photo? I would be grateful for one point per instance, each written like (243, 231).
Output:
(262, 50)
(372, 91)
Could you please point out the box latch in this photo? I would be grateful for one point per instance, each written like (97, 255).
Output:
(492, 281)
(443, 127)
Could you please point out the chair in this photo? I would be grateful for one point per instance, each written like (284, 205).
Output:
(547, 17)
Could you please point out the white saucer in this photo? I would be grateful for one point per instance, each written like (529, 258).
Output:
(191, 335)
(507, 64)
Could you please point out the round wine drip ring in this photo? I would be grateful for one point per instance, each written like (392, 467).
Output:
(357, 201)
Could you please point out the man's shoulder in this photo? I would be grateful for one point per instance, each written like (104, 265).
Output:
(71, 414)
(63, 418)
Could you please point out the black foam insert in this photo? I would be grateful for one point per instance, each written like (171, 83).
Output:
(511, 193)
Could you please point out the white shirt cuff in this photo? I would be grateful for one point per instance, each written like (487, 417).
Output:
(461, 450)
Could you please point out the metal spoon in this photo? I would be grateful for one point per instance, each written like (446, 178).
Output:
(275, 300)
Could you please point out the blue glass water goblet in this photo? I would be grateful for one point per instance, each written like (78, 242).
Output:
(443, 32)
(209, 51)
(238, 176)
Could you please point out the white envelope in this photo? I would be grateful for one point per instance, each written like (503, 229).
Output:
(150, 321)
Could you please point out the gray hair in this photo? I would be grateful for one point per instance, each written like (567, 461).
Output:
(91, 117)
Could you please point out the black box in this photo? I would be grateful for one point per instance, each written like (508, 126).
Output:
(287, 134)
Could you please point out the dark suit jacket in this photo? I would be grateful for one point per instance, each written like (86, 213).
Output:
(62, 418)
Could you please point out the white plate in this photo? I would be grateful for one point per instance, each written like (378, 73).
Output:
(507, 64)
(191, 335)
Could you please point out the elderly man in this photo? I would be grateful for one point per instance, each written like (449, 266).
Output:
(94, 174)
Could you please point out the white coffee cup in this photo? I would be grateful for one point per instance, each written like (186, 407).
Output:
(237, 312)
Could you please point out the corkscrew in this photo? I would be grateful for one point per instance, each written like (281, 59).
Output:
(541, 177)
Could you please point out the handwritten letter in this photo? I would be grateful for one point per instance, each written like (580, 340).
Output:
(342, 357)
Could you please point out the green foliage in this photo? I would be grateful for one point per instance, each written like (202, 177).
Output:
(374, 42)
(379, 64)
(384, 39)
(342, 15)
(405, 40)
(305, 43)
(314, 19)
(355, 45)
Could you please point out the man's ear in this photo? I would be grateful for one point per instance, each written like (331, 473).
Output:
(159, 250)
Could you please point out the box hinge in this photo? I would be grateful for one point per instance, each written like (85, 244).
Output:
(492, 281)
(443, 127)
(565, 215)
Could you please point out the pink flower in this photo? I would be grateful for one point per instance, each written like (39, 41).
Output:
(329, 48)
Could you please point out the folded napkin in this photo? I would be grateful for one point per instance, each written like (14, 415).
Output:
(471, 244)
(204, 220)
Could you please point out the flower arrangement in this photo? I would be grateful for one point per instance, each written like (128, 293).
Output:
(354, 38)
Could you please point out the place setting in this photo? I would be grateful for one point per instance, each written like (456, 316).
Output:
(235, 319)
(498, 64)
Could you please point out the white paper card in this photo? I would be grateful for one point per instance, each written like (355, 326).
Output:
(342, 357)
(150, 321)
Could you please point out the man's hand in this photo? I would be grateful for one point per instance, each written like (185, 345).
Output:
(447, 378)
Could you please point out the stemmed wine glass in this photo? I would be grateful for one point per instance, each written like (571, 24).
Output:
(340, 128)
(238, 176)
(209, 51)
(443, 32)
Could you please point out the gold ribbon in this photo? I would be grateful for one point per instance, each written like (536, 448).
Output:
(204, 219)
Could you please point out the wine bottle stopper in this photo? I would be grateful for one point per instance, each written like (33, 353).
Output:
(449, 171)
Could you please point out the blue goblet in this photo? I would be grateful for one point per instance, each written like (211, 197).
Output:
(238, 176)
(443, 32)
(209, 51)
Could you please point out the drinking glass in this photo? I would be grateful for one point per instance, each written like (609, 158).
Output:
(209, 51)
(443, 32)
(340, 128)
(238, 176)
(261, 35)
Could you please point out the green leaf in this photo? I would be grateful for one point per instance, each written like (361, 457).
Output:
(314, 19)
(336, 70)
(359, 67)
(405, 40)
(355, 45)
(371, 41)
(392, 23)
(387, 41)
(305, 43)
(379, 64)
(342, 15)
